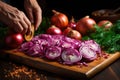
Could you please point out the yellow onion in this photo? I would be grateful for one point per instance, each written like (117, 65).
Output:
(59, 19)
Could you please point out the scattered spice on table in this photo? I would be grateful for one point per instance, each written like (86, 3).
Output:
(11, 71)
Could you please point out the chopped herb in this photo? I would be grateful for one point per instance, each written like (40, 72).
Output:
(109, 39)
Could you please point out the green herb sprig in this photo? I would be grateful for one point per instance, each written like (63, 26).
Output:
(109, 39)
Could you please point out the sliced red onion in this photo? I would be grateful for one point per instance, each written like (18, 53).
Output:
(44, 36)
(87, 53)
(57, 39)
(55, 47)
(60, 37)
(52, 52)
(75, 43)
(93, 45)
(70, 56)
(25, 46)
(35, 50)
(64, 44)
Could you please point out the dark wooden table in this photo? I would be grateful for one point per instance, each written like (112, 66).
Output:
(10, 70)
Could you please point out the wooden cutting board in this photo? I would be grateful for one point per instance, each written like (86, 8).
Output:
(84, 72)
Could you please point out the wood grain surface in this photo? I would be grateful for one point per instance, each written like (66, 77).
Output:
(74, 71)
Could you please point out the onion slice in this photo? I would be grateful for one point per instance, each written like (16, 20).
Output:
(52, 52)
(70, 56)
(87, 53)
(29, 37)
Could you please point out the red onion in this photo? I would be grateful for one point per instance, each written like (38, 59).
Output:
(89, 50)
(93, 45)
(60, 47)
(53, 30)
(59, 19)
(85, 25)
(105, 23)
(70, 56)
(13, 40)
(52, 52)
(72, 23)
(35, 50)
(25, 46)
(64, 44)
(87, 53)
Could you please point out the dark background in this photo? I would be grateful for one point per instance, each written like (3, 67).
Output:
(76, 8)
(80, 8)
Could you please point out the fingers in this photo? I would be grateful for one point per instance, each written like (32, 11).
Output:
(30, 14)
(38, 19)
(21, 24)
(34, 12)
(15, 19)
(28, 23)
(24, 25)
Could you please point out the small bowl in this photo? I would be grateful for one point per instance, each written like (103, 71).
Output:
(106, 14)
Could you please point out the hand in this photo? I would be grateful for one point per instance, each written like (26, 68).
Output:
(14, 19)
(34, 12)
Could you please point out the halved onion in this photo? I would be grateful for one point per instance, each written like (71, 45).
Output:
(87, 53)
(52, 52)
(70, 56)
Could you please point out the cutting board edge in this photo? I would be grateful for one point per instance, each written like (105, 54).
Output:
(76, 74)
(100, 67)
(57, 70)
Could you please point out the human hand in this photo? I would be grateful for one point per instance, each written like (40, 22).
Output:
(34, 12)
(16, 20)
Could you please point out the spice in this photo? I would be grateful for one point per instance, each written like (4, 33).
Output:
(13, 71)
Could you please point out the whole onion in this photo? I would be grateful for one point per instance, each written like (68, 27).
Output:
(75, 34)
(105, 23)
(70, 56)
(85, 24)
(13, 40)
(59, 19)
(72, 23)
(54, 30)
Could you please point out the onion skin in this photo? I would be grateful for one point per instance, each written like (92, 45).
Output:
(85, 24)
(13, 40)
(59, 20)
(72, 23)
(72, 33)
(75, 35)
(66, 31)
(105, 23)
(54, 30)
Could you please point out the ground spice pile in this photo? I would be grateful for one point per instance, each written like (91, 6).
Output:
(10, 71)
